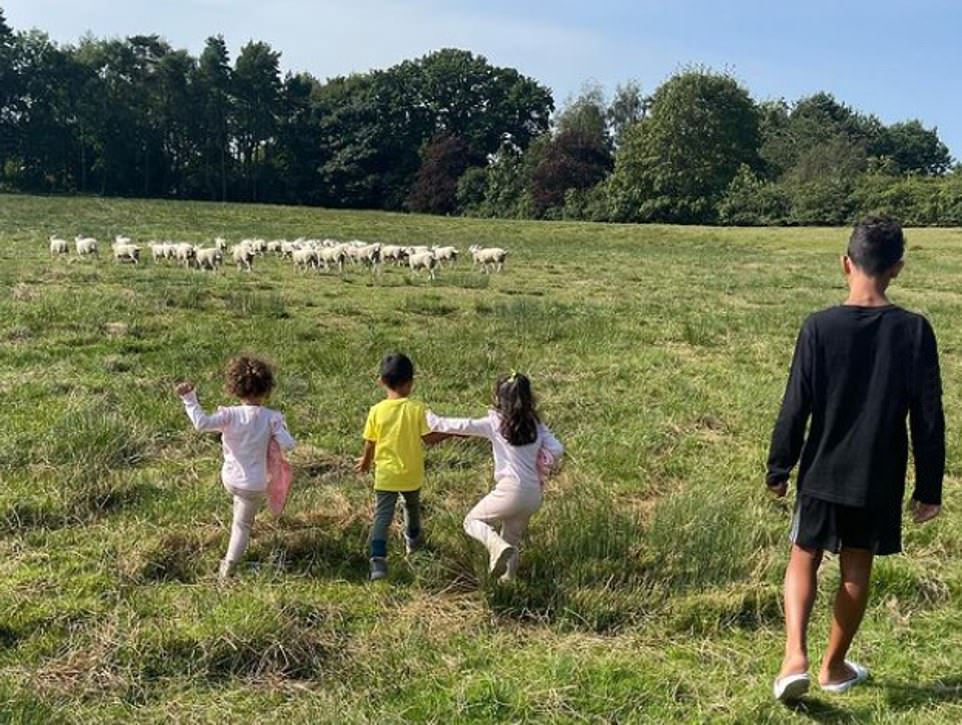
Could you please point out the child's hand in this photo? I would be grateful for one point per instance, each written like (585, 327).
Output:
(183, 389)
(362, 465)
(922, 512)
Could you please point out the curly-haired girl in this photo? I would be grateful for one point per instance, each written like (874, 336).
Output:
(247, 431)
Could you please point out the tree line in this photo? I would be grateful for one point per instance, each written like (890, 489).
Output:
(448, 133)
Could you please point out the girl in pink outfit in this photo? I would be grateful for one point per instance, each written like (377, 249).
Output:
(523, 448)
(247, 431)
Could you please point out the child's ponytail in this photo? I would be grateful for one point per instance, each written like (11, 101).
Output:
(515, 402)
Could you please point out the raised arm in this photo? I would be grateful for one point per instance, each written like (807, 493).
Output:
(927, 421)
(475, 427)
(789, 432)
(201, 420)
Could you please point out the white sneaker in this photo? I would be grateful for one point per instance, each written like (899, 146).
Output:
(498, 563)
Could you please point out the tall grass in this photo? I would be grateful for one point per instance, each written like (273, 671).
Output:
(649, 588)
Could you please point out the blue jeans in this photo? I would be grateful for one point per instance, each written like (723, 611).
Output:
(385, 502)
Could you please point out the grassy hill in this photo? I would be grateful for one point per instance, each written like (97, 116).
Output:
(650, 584)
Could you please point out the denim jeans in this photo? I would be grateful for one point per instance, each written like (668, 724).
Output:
(385, 502)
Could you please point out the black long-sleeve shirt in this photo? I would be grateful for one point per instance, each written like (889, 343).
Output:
(858, 372)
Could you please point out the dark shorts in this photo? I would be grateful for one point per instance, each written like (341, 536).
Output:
(831, 527)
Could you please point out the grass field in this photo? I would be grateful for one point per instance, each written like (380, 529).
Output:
(650, 585)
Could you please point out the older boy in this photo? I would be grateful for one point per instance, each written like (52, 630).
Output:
(393, 436)
(859, 370)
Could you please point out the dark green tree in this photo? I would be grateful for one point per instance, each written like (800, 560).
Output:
(256, 87)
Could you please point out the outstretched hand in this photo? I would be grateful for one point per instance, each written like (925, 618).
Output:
(184, 388)
(922, 512)
(362, 465)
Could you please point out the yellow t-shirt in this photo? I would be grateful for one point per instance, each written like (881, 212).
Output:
(396, 427)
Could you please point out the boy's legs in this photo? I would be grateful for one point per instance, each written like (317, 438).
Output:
(385, 501)
(850, 603)
(412, 515)
(801, 581)
(246, 506)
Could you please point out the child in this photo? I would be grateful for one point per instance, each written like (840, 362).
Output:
(523, 449)
(246, 432)
(393, 434)
(859, 370)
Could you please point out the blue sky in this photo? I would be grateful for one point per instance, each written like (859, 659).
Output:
(898, 60)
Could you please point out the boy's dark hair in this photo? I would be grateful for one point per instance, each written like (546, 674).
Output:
(515, 402)
(876, 245)
(396, 370)
(248, 377)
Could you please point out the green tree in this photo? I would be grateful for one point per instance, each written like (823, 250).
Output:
(753, 201)
(256, 87)
(214, 107)
(913, 149)
(628, 106)
(675, 165)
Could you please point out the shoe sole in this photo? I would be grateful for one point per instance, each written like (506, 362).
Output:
(501, 564)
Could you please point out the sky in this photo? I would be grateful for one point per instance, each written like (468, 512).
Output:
(896, 59)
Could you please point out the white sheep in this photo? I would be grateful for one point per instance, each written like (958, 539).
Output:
(305, 258)
(423, 260)
(85, 246)
(488, 257)
(126, 253)
(210, 258)
(121, 241)
(394, 253)
(159, 250)
(332, 256)
(368, 254)
(58, 245)
(446, 254)
(184, 253)
(220, 243)
(243, 256)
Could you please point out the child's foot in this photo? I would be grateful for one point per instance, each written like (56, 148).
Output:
(226, 570)
(412, 544)
(378, 568)
(498, 563)
(506, 578)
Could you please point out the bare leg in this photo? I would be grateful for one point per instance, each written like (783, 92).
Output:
(850, 603)
(801, 580)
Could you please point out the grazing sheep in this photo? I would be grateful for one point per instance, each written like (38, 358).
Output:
(274, 247)
(288, 249)
(220, 243)
(243, 256)
(394, 253)
(185, 253)
(159, 250)
(332, 256)
(423, 260)
(120, 240)
(446, 254)
(58, 246)
(85, 246)
(369, 255)
(487, 258)
(210, 258)
(304, 258)
(126, 253)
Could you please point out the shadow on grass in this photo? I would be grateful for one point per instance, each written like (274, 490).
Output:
(905, 696)
(824, 711)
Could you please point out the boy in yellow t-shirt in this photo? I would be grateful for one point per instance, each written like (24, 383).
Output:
(394, 433)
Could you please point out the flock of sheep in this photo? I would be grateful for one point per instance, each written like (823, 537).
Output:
(305, 254)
